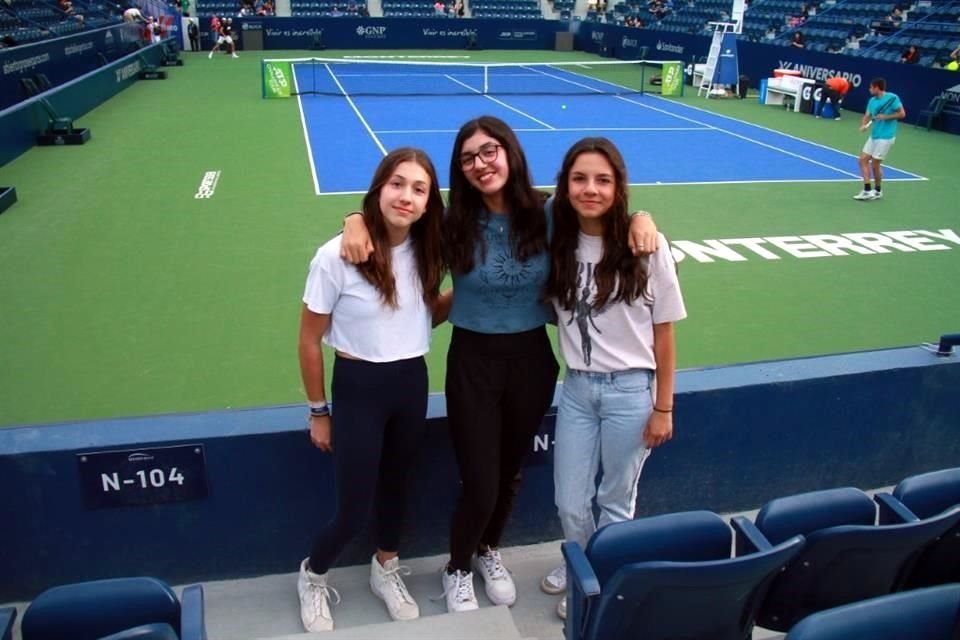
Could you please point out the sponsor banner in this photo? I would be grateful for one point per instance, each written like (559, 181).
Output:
(915, 85)
(62, 59)
(671, 79)
(822, 245)
(277, 79)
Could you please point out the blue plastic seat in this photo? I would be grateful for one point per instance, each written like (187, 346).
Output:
(121, 609)
(669, 576)
(922, 614)
(847, 557)
(927, 495)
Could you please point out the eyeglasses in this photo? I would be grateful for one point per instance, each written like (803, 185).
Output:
(487, 153)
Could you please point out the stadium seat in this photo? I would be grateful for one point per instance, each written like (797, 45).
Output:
(669, 576)
(129, 608)
(7, 617)
(923, 614)
(927, 495)
(847, 557)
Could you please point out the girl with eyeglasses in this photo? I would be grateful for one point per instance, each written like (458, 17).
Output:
(501, 371)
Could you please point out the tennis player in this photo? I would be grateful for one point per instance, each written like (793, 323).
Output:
(883, 112)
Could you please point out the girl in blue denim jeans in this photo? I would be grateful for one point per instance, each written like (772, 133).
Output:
(615, 315)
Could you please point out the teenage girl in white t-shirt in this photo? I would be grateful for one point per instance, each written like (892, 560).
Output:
(378, 317)
(615, 315)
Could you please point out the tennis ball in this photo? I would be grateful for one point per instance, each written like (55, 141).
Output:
(563, 106)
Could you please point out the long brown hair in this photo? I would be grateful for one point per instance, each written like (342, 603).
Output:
(620, 276)
(425, 233)
(462, 227)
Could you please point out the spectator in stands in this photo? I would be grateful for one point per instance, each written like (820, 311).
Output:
(771, 33)
(833, 91)
(798, 41)
(954, 63)
(895, 18)
(439, 9)
(225, 35)
(377, 317)
(193, 33)
(501, 371)
(67, 7)
(615, 314)
(266, 9)
(883, 111)
(156, 31)
(132, 14)
(458, 9)
(911, 55)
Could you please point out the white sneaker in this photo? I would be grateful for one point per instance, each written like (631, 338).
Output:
(387, 583)
(458, 590)
(556, 581)
(498, 583)
(562, 608)
(210, 56)
(877, 195)
(866, 194)
(315, 600)
(233, 55)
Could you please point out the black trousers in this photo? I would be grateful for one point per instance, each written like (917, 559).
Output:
(833, 97)
(498, 387)
(379, 422)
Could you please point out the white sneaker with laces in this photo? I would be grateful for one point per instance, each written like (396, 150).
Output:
(877, 195)
(210, 56)
(498, 583)
(556, 581)
(315, 600)
(864, 195)
(386, 582)
(458, 591)
(233, 55)
(562, 608)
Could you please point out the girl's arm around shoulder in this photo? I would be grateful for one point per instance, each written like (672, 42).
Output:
(441, 308)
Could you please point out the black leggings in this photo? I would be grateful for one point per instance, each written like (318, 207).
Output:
(379, 421)
(499, 386)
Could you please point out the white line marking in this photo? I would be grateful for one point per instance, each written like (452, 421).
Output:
(704, 124)
(306, 137)
(501, 103)
(357, 111)
(558, 129)
(682, 184)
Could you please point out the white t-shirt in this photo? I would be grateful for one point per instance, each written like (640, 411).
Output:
(620, 335)
(361, 325)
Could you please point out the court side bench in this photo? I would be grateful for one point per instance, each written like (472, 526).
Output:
(779, 89)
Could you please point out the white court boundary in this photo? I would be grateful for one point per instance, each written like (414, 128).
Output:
(702, 126)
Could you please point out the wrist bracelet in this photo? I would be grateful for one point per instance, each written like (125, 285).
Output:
(319, 409)
(663, 410)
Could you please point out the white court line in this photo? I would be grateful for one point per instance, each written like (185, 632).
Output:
(550, 187)
(306, 137)
(816, 144)
(557, 129)
(357, 111)
(731, 133)
(501, 103)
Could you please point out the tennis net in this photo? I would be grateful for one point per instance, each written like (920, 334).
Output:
(346, 77)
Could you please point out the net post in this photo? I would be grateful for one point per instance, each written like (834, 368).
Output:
(643, 77)
(486, 79)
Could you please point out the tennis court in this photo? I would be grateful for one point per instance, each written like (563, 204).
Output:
(370, 107)
(123, 293)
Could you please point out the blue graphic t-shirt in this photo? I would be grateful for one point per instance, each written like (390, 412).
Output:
(886, 104)
(501, 294)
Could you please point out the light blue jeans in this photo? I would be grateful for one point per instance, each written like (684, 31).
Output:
(600, 421)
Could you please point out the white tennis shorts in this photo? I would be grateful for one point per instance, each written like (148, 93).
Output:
(227, 39)
(878, 149)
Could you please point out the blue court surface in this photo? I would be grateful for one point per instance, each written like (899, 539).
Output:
(369, 109)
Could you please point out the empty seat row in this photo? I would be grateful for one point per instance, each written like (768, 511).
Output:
(801, 555)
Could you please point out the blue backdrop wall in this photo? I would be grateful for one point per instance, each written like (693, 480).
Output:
(744, 435)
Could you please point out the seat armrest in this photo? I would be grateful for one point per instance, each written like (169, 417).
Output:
(892, 511)
(192, 625)
(7, 617)
(748, 538)
(579, 569)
